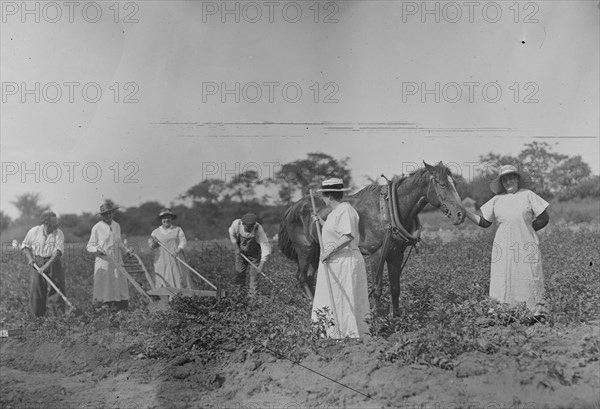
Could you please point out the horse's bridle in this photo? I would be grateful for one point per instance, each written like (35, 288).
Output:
(441, 205)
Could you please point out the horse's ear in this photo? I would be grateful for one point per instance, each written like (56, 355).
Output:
(428, 167)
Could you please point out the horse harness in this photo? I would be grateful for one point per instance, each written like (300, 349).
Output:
(390, 215)
(391, 224)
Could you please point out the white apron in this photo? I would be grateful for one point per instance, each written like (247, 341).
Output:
(109, 283)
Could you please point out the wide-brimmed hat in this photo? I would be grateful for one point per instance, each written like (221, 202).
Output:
(249, 218)
(496, 184)
(333, 185)
(107, 207)
(167, 212)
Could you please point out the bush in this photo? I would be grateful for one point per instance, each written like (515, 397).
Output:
(444, 305)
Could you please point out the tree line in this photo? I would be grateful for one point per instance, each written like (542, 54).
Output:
(206, 209)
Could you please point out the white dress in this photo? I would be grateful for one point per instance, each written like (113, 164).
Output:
(109, 283)
(347, 275)
(170, 272)
(516, 267)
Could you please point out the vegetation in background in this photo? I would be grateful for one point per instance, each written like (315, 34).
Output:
(206, 209)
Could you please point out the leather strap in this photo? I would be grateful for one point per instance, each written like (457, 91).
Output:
(399, 232)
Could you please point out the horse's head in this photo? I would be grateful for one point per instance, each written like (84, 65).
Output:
(442, 194)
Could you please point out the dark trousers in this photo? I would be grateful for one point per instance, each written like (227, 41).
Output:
(39, 293)
(242, 268)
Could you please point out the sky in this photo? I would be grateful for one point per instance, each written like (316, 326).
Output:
(138, 101)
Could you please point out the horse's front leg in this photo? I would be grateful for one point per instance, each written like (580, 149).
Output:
(304, 263)
(394, 263)
(377, 281)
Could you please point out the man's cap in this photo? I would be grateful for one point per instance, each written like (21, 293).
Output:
(249, 218)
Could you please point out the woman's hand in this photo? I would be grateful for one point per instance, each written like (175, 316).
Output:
(316, 218)
(478, 220)
(152, 242)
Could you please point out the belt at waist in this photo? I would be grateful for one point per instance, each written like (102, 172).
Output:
(41, 259)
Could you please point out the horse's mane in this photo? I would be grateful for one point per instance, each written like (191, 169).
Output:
(442, 171)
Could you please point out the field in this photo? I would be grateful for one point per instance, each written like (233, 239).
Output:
(445, 350)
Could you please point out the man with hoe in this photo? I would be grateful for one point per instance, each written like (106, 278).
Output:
(251, 246)
(43, 246)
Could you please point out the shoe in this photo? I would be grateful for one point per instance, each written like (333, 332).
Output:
(541, 318)
(536, 319)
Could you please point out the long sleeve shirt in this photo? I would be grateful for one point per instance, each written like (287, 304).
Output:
(42, 244)
(258, 233)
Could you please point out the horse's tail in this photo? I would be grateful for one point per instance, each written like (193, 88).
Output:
(285, 243)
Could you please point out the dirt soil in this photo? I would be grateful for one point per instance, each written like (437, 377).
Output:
(555, 368)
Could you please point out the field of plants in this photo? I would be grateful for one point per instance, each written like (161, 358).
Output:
(451, 346)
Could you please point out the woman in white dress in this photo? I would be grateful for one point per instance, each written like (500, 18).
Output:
(516, 268)
(110, 285)
(169, 272)
(342, 277)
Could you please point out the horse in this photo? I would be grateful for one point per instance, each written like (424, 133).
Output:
(388, 224)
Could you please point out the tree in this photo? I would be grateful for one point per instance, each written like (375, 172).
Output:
(243, 187)
(207, 191)
(4, 221)
(538, 160)
(141, 220)
(206, 211)
(496, 160)
(478, 189)
(588, 187)
(77, 227)
(567, 176)
(29, 208)
(302, 174)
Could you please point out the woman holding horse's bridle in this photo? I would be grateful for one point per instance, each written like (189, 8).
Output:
(516, 268)
(342, 277)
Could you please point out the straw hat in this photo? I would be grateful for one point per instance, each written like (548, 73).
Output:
(333, 185)
(107, 207)
(496, 184)
(167, 212)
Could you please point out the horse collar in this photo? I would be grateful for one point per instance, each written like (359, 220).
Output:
(390, 215)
